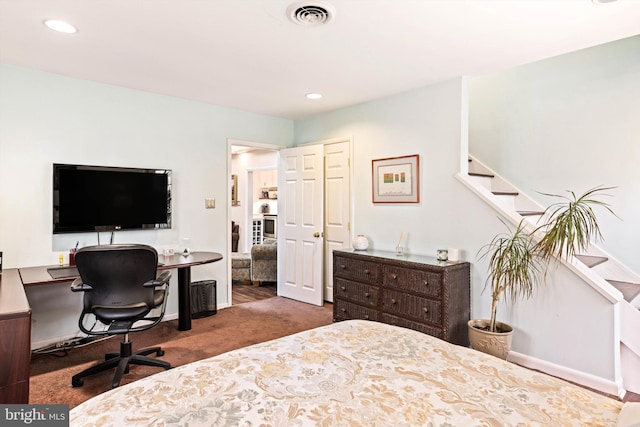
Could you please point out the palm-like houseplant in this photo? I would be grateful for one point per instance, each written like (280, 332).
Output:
(518, 264)
(572, 224)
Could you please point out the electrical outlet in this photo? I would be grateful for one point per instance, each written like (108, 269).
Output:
(209, 203)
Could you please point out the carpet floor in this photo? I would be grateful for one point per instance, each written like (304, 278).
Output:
(231, 328)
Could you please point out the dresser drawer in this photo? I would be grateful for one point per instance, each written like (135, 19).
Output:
(357, 292)
(421, 327)
(360, 270)
(343, 310)
(405, 305)
(428, 283)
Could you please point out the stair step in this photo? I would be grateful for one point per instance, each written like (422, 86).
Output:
(505, 193)
(591, 261)
(629, 290)
(531, 213)
(486, 175)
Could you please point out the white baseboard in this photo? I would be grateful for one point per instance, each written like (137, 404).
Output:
(611, 387)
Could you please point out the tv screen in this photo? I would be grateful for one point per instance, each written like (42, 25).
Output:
(90, 198)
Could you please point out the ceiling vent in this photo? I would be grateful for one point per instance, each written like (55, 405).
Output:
(311, 13)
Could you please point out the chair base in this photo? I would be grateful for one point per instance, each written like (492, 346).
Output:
(121, 362)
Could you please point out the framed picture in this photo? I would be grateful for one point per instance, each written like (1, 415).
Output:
(234, 191)
(396, 179)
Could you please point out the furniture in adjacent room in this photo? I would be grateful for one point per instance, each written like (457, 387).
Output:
(122, 292)
(235, 236)
(264, 261)
(256, 231)
(411, 291)
(15, 337)
(240, 266)
(352, 373)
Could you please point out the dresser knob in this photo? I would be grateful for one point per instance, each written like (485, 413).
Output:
(366, 271)
(342, 266)
(393, 301)
(343, 288)
(366, 294)
(344, 310)
(394, 276)
(366, 317)
(425, 283)
(426, 309)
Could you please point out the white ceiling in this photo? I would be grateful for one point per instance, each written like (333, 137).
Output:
(246, 54)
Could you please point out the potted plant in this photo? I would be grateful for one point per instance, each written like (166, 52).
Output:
(515, 269)
(518, 264)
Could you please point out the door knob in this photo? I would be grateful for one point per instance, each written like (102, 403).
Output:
(316, 234)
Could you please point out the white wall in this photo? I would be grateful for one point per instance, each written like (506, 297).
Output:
(47, 118)
(568, 123)
(559, 325)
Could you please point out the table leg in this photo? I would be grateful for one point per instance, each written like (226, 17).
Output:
(184, 298)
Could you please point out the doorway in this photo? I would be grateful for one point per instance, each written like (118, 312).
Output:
(338, 209)
(253, 167)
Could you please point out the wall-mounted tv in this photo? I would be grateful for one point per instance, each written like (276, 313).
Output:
(95, 198)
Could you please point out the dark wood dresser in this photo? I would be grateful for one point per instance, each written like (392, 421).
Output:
(411, 291)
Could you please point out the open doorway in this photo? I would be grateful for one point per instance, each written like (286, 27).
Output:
(254, 203)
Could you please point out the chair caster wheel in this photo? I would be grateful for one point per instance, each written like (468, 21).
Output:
(160, 353)
(77, 382)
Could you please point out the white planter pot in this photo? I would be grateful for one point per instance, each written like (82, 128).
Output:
(494, 343)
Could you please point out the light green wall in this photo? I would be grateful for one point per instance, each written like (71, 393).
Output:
(568, 123)
(47, 118)
(431, 122)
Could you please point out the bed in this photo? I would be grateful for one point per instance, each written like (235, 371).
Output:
(350, 373)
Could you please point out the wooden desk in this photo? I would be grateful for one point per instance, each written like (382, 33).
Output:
(15, 339)
(33, 276)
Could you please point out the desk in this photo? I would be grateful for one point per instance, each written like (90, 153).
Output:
(33, 276)
(184, 264)
(15, 333)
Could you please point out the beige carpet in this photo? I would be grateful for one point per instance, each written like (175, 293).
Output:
(234, 327)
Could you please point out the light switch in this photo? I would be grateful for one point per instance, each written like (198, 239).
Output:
(209, 203)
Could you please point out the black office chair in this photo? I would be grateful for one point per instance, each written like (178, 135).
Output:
(120, 290)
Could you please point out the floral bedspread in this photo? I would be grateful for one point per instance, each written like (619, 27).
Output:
(351, 373)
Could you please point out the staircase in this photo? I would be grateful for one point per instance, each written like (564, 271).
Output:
(613, 280)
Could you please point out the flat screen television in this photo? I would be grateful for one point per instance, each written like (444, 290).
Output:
(95, 198)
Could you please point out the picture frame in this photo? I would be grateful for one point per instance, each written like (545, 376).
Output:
(234, 191)
(396, 179)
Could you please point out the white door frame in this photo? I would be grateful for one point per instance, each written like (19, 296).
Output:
(251, 144)
(254, 144)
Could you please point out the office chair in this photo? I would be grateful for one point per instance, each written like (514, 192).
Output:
(120, 290)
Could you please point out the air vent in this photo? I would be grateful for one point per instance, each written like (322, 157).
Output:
(311, 14)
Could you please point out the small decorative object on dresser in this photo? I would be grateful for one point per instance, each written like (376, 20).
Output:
(360, 243)
(414, 292)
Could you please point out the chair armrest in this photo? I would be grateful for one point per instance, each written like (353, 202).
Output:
(78, 286)
(264, 252)
(162, 279)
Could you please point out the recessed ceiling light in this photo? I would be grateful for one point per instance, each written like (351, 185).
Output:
(602, 1)
(60, 26)
(314, 95)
